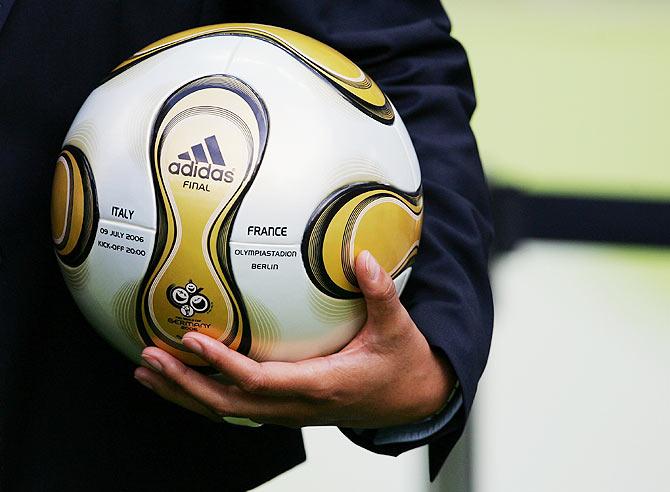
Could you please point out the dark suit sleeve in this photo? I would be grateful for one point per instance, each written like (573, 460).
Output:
(407, 49)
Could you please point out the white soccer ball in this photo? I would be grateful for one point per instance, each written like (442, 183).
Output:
(223, 180)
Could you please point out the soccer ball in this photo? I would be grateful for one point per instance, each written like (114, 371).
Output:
(222, 180)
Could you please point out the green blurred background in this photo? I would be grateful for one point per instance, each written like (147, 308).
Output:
(574, 96)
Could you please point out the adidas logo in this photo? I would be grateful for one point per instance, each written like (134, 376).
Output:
(202, 161)
(197, 152)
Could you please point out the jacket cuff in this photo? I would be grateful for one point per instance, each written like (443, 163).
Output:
(419, 431)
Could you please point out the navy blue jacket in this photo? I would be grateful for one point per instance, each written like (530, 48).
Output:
(71, 416)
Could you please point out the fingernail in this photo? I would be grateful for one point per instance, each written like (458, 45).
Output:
(144, 383)
(193, 345)
(153, 363)
(371, 265)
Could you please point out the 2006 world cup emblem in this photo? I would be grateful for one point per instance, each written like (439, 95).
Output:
(189, 299)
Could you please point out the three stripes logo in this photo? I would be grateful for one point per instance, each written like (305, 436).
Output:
(203, 161)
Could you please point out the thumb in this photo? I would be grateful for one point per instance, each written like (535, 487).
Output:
(378, 289)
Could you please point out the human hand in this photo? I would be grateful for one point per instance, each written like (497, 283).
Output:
(387, 375)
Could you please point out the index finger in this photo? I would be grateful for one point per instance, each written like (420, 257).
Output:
(304, 379)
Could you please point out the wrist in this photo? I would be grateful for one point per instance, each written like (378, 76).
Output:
(442, 386)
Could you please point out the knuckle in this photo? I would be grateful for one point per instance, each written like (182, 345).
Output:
(180, 373)
(220, 408)
(212, 356)
(323, 391)
(387, 293)
(253, 382)
(326, 390)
